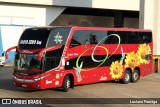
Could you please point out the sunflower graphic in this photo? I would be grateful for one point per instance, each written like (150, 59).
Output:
(116, 70)
(132, 60)
(143, 50)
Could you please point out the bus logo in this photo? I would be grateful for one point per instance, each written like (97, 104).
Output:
(58, 38)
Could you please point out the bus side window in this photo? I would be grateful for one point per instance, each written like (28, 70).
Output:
(147, 37)
(74, 43)
(111, 39)
(77, 39)
(144, 37)
(123, 37)
(132, 37)
(92, 39)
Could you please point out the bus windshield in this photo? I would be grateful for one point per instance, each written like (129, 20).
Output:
(38, 38)
(27, 62)
(34, 39)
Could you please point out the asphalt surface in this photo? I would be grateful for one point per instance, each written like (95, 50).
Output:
(146, 87)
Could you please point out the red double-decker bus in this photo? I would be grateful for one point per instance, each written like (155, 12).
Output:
(53, 57)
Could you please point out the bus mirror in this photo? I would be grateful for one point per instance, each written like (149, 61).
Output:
(8, 50)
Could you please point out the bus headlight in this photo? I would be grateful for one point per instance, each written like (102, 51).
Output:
(40, 78)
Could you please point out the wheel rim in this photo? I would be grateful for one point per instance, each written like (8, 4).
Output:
(135, 75)
(68, 83)
(127, 77)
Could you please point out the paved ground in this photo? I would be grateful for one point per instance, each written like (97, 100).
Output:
(147, 87)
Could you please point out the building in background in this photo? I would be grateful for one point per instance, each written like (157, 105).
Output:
(9, 36)
(16, 15)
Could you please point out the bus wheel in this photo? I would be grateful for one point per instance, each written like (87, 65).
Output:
(66, 84)
(127, 77)
(135, 76)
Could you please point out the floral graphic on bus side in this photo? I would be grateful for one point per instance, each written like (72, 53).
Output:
(132, 60)
(116, 70)
(143, 50)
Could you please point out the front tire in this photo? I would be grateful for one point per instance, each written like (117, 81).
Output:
(127, 77)
(135, 76)
(66, 84)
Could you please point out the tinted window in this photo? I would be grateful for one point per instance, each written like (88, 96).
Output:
(109, 37)
(133, 37)
(89, 63)
(34, 38)
(87, 37)
(40, 38)
(52, 59)
(145, 37)
(123, 36)
(58, 36)
(127, 37)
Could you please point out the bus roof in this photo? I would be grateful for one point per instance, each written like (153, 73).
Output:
(111, 29)
(94, 28)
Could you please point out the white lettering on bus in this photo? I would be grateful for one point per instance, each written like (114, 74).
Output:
(39, 42)
(30, 42)
(24, 42)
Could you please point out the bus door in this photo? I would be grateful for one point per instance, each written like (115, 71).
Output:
(78, 64)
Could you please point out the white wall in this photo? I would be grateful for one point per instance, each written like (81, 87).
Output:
(19, 15)
(105, 4)
(40, 2)
(10, 35)
(149, 19)
(44, 12)
(9, 38)
(116, 4)
(28, 15)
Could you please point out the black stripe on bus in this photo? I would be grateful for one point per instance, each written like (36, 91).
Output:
(89, 63)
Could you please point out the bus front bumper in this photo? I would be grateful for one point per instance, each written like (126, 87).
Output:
(26, 83)
(38, 83)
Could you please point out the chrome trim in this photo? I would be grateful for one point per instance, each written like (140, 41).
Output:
(30, 80)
